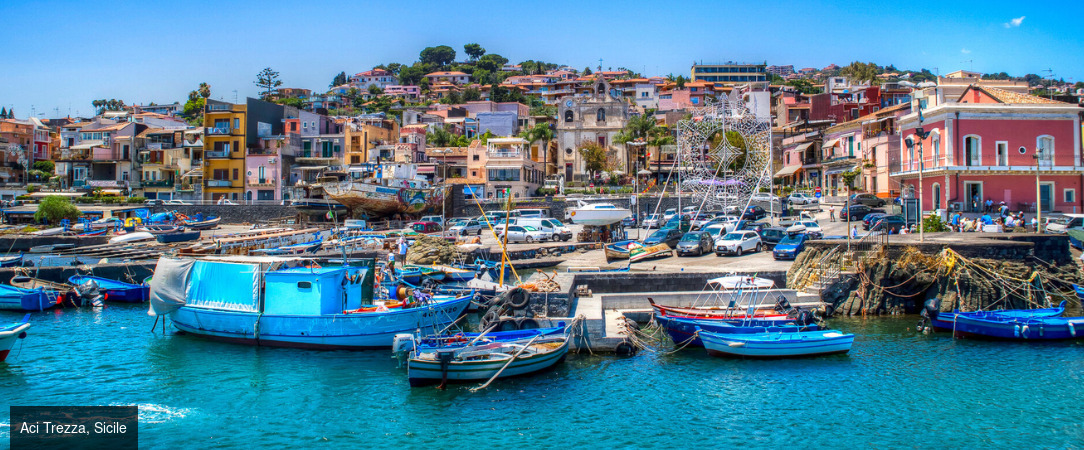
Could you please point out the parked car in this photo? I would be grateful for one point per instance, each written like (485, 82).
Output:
(536, 213)
(425, 227)
(787, 221)
(651, 221)
(890, 224)
(689, 210)
(764, 197)
(749, 225)
(679, 222)
(699, 221)
(868, 200)
(465, 227)
(716, 230)
(790, 246)
(728, 222)
(737, 243)
(154, 202)
(552, 227)
(668, 214)
(799, 198)
(629, 221)
(1064, 223)
(857, 212)
(754, 212)
(177, 202)
(438, 219)
(519, 233)
(772, 235)
(668, 236)
(871, 219)
(813, 229)
(225, 201)
(695, 243)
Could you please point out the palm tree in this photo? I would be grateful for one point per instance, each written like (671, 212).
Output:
(541, 132)
(204, 90)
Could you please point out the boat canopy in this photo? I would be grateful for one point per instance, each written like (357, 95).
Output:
(737, 281)
(208, 284)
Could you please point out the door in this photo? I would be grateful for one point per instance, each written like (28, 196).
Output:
(1046, 197)
(974, 198)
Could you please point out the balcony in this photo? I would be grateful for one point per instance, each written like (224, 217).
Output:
(219, 183)
(157, 183)
(266, 182)
(216, 131)
(216, 154)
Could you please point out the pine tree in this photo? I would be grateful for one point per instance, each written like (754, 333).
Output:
(3, 113)
(11, 113)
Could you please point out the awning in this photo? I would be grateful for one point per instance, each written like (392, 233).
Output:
(831, 143)
(88, 145)
(836, 170)
(504, 167)
(803, 146)
(787, 171)
(193, 173)
(311, 168)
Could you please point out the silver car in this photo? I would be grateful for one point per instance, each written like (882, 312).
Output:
(737, 243)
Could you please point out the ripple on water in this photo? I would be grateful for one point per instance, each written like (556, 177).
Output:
(896, 388)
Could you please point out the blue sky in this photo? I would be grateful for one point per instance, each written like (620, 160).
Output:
(63, 54)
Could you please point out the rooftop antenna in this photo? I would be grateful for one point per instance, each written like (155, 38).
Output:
(971, 64)
(235, 96)
(1049, 75)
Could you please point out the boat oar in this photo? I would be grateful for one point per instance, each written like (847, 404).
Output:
(510, 360)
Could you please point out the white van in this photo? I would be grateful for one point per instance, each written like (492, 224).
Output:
(552, 227)
(534, 213)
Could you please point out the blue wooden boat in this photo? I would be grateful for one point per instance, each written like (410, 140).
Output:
(19, 299)
(777, 344)
(98, 232)
(681, 330)
(483, 362)
(11, 261)
(407, 343)
(409, 275)
(454, 273)
(292, 249)
(178, 236)
(199, 224)
(115, 291)
(997, 326)
(289, 303)
(427, 272)
(944, 320)
(10, 334)
(1079, 291)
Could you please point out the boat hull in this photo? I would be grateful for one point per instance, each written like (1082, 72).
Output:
(777, 345)
(116, 291)
(598, 217)
(379, 200)
(15, 299)
(993, 326)
(9, 335)
(327, 332)
(682, 330)
(179, 236)
(427, 372)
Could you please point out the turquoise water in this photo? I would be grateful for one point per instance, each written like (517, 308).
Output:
(895, 389)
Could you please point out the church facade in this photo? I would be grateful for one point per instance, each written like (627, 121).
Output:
(596, 116)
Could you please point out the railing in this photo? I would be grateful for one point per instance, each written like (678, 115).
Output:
(216, 154)
(262, 183)
(158, 183)
(505, 154)
(219, 183)
(217, 130)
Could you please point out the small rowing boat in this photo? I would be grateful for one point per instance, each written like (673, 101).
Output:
(160, 229)
(483, 362)
(202, 224)
(180, 236)
(115, 291)
(784, 344)
(11, 261)
(19, 299)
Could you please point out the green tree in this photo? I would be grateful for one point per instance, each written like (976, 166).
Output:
(594, 157)
(4, 113)
(267, 80)
(474, 51)
(45, 166)
(375, 90)
(587, 71)
(860, 72)
(804, 86)
(440, 137)
(472, 94)
(291, 101)
(204, 90)
(339, 80)
(482, 76)
(491, 62)
(55, 208)
(439, 56)
(412, 75)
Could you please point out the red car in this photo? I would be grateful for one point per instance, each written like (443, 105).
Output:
(425, 227)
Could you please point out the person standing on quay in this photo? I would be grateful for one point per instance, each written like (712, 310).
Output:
(832, 213)
(402, 249)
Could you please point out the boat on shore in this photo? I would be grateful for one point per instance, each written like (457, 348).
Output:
(717, 312)
(160, 229)
(292, 249)
(10, 334)
(289, 302)
(777, 344)
(454, 274)
(382, 190)
(131, 237)
(11, 261)
(178, 236)
(597, 214)
(206, 224)
(113, 290)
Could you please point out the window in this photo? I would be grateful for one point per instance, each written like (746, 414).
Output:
(504, 174)
(236, 145)
(236, 123)
(1002, 153)
(1045, 148)
(262, 175)
(220, 174)
(568, 116)
(850, 146)
(475, 157)
(235, 171)
(1070, 195)
(936, 143)
(972, 150)
(124, 176)
(600, 115)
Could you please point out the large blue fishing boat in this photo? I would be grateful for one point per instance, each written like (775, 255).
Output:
(290, 302)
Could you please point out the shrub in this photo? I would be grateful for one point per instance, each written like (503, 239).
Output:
(56, 208)
(934, 224)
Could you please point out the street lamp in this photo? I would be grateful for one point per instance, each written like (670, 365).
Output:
(910, 141)
(1038, 191)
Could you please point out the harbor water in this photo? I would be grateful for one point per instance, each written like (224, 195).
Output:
(896, 388)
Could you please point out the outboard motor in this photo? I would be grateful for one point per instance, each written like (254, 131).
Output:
(782, 305)
(804, 318)
(929, 312)
(90, 293)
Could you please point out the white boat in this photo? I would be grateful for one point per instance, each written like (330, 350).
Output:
(781, 344)
(741, 282)
(132, 237)
(10, 334)
(483, 362)
(49, 232)
(598, 214)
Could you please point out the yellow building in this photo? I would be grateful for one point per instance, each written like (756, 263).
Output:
(362, 135)
(224, 150)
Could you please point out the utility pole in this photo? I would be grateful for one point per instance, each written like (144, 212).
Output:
(1038, 191)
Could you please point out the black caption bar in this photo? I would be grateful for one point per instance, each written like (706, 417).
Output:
(75, 427)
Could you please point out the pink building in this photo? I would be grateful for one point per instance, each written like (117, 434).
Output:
(984, 145)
